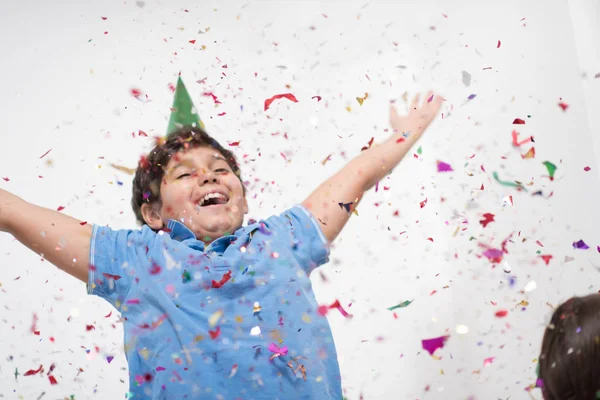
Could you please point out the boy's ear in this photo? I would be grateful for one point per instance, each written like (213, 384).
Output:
(152, 216)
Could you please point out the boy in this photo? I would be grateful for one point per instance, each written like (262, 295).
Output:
(211, 309)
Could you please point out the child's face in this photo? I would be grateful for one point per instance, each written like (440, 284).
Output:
(191, 175)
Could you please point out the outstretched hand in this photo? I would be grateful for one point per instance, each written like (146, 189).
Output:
(419, 116)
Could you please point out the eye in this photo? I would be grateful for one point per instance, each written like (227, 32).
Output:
(222, 170)
(183, 175)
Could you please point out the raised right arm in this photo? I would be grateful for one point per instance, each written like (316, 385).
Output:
(60, 239)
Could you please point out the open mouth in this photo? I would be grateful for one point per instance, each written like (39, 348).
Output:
(213, 199)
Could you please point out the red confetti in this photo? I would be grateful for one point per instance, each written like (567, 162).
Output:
(563, 105)
(83, 223)
(6, 179)
(60, 208)
(52, 380)
(215, 334)
(423, 203)
(518, 121)
(487, 219)
(429, 100)
(136, 93)
(104, 18)
(316, 97)
(546, 258)
(109, 314)
(499, 43)
(234, 143)
(226, 277)
(110, 276)
(288, 96)
(501, 313)
(90, 328)
(368, 146)
(586, 169)
(155, 270)
(193, 41)
(221, 114)
(34, 372)
(213, 97)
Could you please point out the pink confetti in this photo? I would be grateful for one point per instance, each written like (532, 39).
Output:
(429, 100)
(273, 348)
(586, 169)
(444, 167)
(499, 43)
(46, 153)
(336, 304)
(159, 369)
(431, 345)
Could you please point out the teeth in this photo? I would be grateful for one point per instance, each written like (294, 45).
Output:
(211, 196)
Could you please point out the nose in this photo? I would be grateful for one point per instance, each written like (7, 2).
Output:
(208, 177)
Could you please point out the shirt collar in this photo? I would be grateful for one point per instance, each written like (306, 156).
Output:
(178, 231)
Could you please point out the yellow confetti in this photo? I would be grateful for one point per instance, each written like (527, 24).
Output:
(198, 338)
(128, 171)
(349, 109)
(239, 319)
(362, 99)
(214, 318)
(306, 318)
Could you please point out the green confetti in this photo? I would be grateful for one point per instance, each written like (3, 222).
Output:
(401, 305)
(419, 151)
(186, 276)
(551, 168)
(511, 184)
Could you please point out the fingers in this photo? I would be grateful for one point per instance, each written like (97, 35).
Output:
(415, 102)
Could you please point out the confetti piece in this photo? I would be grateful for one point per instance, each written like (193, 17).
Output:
(214, 318)
(362, 99)
(563, 105)
(128, 171)
(501, 313)
(52, 380)
(518, 121)
(499, 43)
(546, 258)
(429, 100)
(529, 154)
(488, 361)
(34, 371)
(431, 345)
(368, 146)
(494, 255)
(530, 287)
(551, 169)
(215, 333)
(487, 219)
(336, 304)
(580, 245)
(278, 351)
(233, 144)
(401, 305)
(316, 97)
(288, 96)
(159, 369)
(515, 141)
(109, 359)
(45, 154)
(471, 97)
(511, 184)
(233, 371)
(508, 200)
(423, 203)
(226, 277)
(586, 169)
(109, 276)
(155, 270)
(443, 167)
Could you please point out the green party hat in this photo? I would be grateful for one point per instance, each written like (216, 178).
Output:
(183, 112)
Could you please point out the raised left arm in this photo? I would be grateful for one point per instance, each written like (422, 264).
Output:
(334, 200)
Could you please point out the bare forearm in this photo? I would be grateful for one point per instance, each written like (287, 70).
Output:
(377, 162)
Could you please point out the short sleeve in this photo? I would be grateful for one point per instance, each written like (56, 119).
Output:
(114, 257)
(309, 245)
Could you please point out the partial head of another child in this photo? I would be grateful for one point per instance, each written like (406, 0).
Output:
(569, 363)
(191, 178)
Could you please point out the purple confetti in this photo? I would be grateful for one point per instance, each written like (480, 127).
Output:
(580, 245)
(471, 97)
(443, 167)
(431, 345)
(109, 359)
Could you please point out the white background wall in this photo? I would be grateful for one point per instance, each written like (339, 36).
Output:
(65, 86)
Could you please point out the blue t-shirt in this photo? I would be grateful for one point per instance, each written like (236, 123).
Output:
(236, 319)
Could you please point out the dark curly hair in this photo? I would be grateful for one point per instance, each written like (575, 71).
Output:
(151, 167)
(570, 358)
